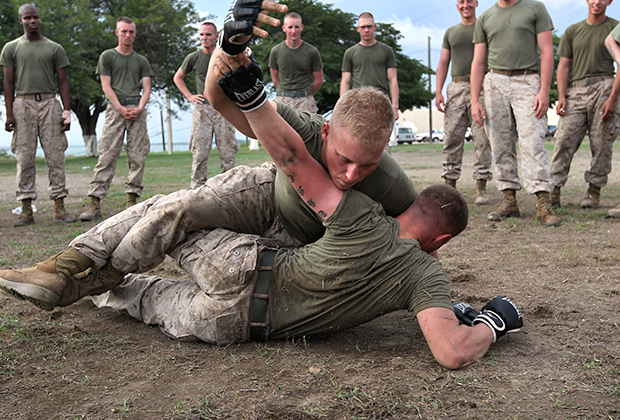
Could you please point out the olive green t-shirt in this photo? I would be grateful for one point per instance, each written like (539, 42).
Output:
(388, 185)
(510, 34)
(368, 65)
(358, 271)
(615, 33)
(584, 45)
(295, 66)
(126, 72)
(458, 40)
(198, 62)
(35, 64)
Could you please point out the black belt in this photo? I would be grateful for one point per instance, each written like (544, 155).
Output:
(587, 81)
(130, 101)
(259, 322)
(513, 72)
(38, 96)
(301, 94)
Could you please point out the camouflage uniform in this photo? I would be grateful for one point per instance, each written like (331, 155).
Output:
(214, 311)
(205, 123)
(508, 102)
(306, 103)
(456, 120)
(39, 119)
(137, 239)
(583, 115)
(109, 148)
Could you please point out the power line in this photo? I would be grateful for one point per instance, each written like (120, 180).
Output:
(431, 14)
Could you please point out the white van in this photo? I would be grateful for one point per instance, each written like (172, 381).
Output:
(405, 135)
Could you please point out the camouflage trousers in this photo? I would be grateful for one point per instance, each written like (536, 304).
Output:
(215, 307)
(456, 120)
(43, 120)
(109, 149)
(306, 103)
(583, 115)
(205, 123)
(138, 238)
(508, 103)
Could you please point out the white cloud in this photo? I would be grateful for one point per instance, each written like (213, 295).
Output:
(415, 37)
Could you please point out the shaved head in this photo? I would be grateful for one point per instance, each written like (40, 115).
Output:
(26, 7)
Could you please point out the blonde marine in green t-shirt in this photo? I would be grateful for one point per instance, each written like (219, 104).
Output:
(586, 103)
(126, 82)
(296, 67)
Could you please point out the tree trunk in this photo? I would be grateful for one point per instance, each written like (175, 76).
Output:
(88, 115)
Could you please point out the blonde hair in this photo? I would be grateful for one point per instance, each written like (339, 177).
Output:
(368, 115)
(292, 15)
(366, 15)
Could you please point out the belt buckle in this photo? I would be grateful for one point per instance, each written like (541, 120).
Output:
(37, 97)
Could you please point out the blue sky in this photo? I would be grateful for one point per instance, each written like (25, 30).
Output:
(416, 20)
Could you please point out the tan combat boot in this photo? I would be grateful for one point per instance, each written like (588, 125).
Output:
(592, 198)
(40, 284)
(508, 208)
(451, 182)
(545, 213)
(26, 217)
(615, 212)
(555, 198)
(132, 200)
(481, 192)
(93, 211)
(60, 214)
(59, 281)
(89, 283)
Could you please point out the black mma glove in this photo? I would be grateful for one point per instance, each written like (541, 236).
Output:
(245, 87)
(501, 315)
(465, 313)
(239, 22)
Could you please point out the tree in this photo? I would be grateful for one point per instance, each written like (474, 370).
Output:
(85, 28)
(9, 29)
(332, 31)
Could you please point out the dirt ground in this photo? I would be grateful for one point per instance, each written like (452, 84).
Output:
(81, 362)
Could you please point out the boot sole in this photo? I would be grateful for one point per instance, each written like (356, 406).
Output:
(496, 217)
(551, 224)
(89, 219)
(39, 296)
(22, 224)
(66, 220)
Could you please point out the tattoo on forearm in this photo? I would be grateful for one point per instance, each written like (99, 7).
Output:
(291, 178)
(322, 214)
(611, 51)
(311, 203)
(300, 191)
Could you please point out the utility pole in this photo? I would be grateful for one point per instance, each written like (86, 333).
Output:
(430, 106)
(169, 122)
(163, 137)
